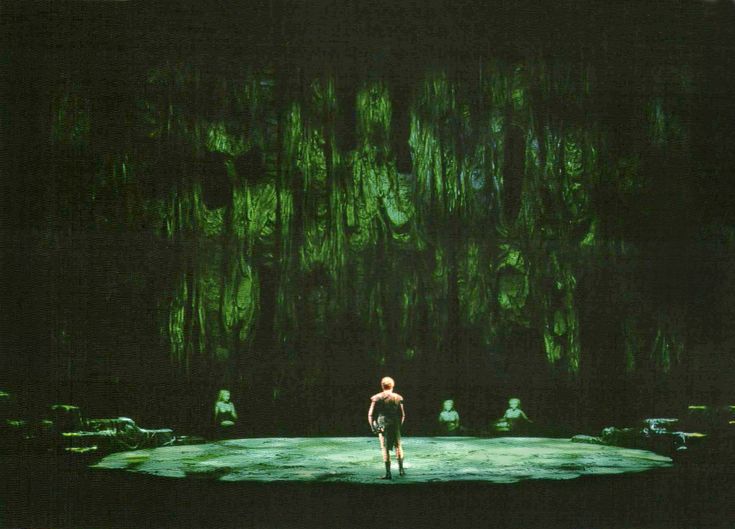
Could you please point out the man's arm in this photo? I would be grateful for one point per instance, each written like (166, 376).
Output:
(370, 414)
(403, 413)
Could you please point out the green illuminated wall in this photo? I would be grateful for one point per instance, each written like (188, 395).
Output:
(287, 242)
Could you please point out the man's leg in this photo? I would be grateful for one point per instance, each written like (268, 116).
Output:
(386, 456)
(399, 455)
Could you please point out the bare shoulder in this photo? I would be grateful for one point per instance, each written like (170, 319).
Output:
(377, 396)
(398, 397)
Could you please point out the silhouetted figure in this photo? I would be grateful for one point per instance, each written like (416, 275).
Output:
(386, 415)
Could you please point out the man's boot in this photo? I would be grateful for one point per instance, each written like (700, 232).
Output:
(400, 467)
(387, 471)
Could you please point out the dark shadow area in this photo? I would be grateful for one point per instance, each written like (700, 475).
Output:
(42, 493)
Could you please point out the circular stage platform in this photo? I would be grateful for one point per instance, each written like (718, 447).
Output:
(357, 460)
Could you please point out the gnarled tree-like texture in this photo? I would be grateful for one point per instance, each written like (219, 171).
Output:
(544, 224)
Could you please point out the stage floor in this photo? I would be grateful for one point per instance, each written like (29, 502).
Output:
(357, 460)
(325, 483)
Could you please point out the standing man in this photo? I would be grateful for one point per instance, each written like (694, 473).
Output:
(386, 415)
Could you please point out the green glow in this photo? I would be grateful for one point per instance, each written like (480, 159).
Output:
(218, 139)
(211, 221)
(513, 285)
(573, 188)
(518, 92)
(666, 349)
(175, 332)
(343, 236)
(434, 459)
(590, 239)
(373, 116)
(553, 349)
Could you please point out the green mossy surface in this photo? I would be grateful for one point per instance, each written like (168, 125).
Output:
(357, 460)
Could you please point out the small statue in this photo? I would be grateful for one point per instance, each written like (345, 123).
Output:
(514, 417)
(225, 415)
(448, 419)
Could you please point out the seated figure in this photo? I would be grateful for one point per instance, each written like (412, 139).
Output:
(514, 419)
(225, 415)
(448, 419)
